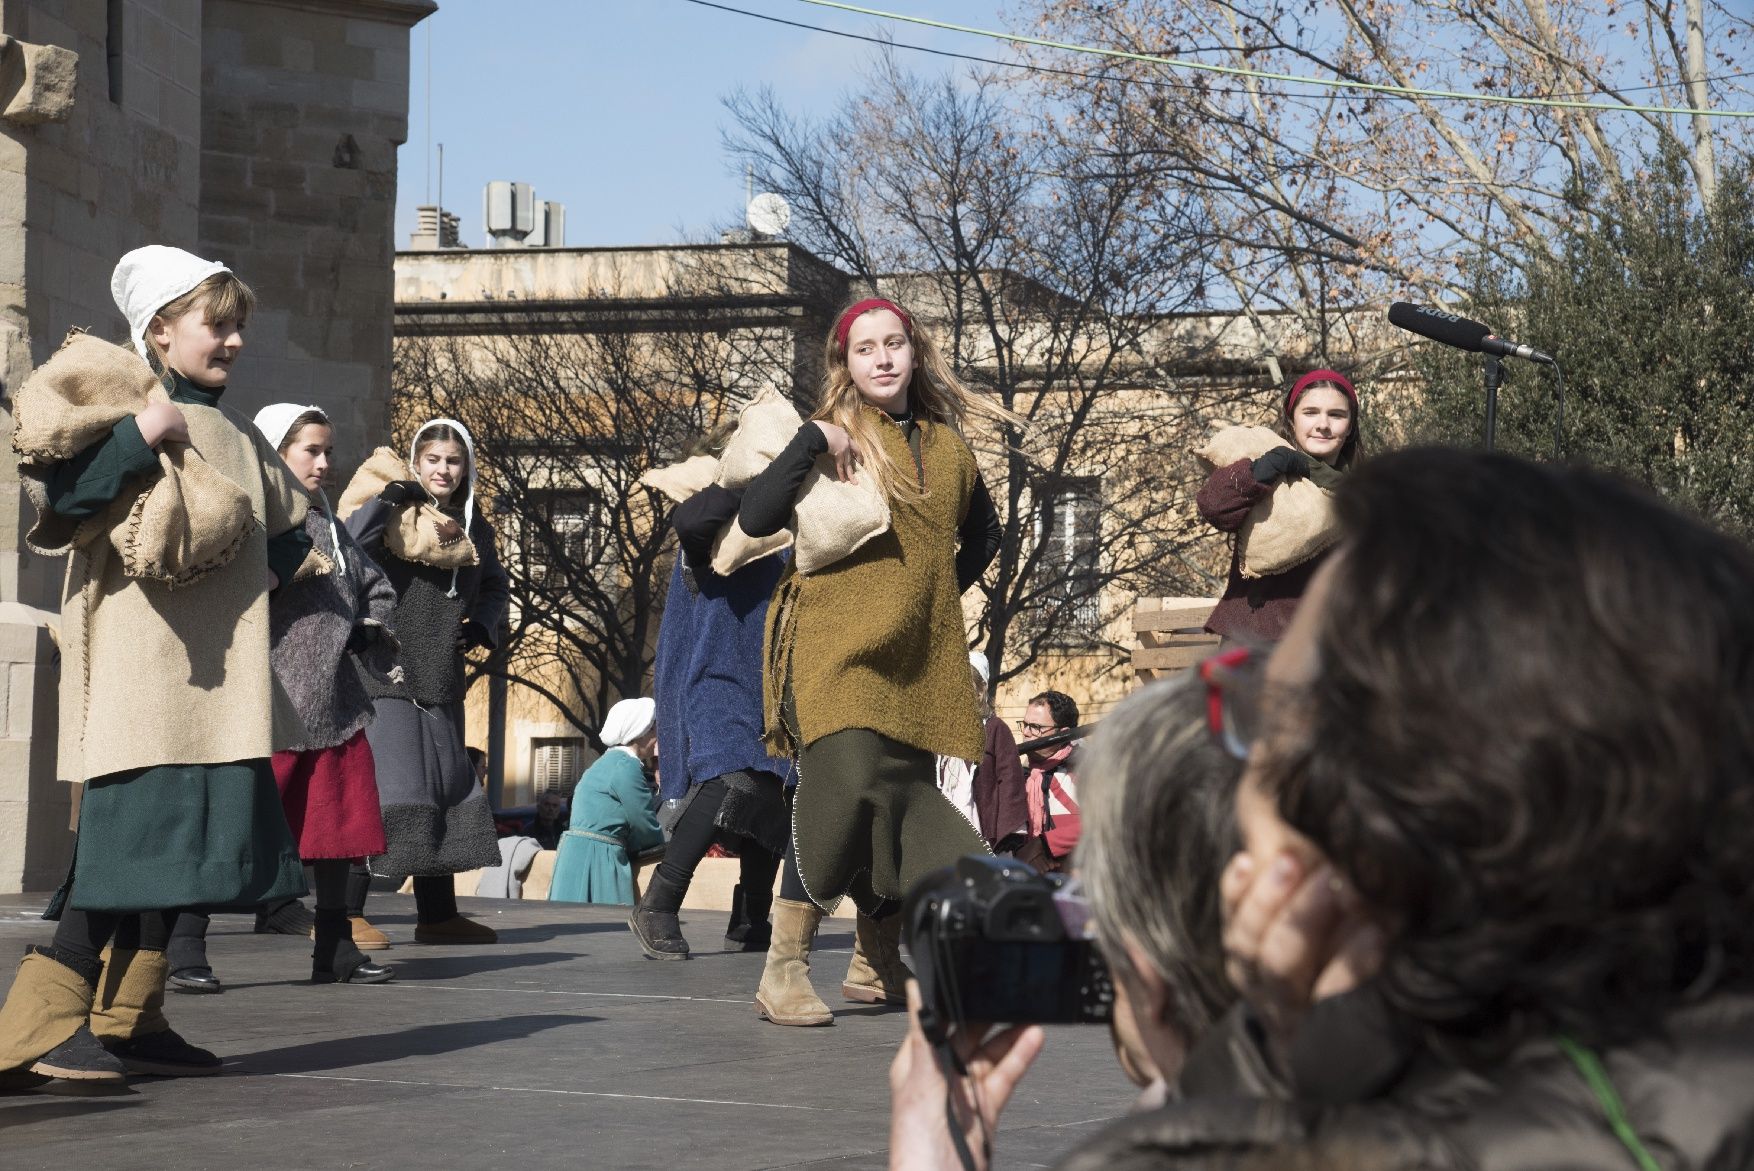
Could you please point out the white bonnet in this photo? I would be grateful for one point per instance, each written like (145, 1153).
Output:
(147, 279)
(629, 720)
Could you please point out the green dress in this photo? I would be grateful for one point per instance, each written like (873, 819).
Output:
(614, 819)
(174, 835)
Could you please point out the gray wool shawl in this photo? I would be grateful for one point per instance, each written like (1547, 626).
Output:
(310, 620)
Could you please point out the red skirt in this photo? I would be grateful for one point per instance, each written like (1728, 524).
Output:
(331, 800)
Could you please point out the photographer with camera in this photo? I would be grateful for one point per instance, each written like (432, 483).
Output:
(1158, 827)
(1485, 917)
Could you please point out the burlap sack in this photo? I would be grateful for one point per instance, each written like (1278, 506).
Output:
(174, 528)
(1293, 524)
(732, 548)
(831, 517)
(421, 533)
(189, 523)
(73, 400)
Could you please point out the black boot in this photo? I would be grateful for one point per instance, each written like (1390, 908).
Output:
(186, 953)
(334, 959)
(654, 921)
(752, 900)
(288, 917)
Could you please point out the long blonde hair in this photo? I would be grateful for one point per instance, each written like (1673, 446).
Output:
(935, 394)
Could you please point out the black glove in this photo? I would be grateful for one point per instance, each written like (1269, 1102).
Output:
(400, 492)
(472, 634)
(362, 638)
(1281, 463)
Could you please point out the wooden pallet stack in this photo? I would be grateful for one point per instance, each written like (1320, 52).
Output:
(1169, 635)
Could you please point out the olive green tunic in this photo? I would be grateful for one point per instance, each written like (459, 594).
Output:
(871, 654)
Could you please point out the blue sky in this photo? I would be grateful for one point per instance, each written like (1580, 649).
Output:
(612, 107)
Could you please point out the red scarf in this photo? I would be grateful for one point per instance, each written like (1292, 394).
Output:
(1037, 787)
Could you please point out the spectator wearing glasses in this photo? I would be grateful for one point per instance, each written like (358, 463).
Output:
(1051, 791)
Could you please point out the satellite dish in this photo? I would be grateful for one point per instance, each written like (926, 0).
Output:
(769, 214)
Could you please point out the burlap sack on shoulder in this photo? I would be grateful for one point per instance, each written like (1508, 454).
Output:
(831, 517)
(188, 523)
(73, 400)
(764, 427)
(834, 517)
(1293, 524)
(421, 533)
(732, 548)
(173, 528)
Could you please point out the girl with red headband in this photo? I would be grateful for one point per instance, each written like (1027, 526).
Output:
(867, 665)
(1320, 424)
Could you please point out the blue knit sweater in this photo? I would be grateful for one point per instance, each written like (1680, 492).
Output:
(708, 675)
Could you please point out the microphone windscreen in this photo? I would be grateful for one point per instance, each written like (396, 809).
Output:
(1439, 326)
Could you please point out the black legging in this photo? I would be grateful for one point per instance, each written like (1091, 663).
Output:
(693, 834)
(83, 935)
(435, 898)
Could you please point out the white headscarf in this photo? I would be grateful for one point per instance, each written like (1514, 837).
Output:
(469, 449)
(274, 421)
(147, 279)
(629, 720)
(981, 667)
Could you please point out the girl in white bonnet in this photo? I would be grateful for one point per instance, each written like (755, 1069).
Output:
(168, 711)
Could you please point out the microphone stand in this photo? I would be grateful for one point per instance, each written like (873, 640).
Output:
(1493, 374)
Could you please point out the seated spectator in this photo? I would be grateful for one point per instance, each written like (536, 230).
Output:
(478, 762)
(550, 821)
(1493, 907)
(1050, 789)
(614, 812)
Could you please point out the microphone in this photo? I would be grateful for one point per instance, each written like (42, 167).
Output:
(1460, 332)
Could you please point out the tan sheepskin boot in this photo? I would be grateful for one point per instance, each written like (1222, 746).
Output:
(877, 975)
(785, 996)
(127, 1016)
(42, 1023)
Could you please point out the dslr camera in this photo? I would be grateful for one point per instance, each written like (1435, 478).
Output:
(994, 941)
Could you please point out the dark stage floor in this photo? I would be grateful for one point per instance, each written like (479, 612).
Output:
(560, 1047)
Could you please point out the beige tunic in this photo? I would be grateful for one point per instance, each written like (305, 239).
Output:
(154, 675)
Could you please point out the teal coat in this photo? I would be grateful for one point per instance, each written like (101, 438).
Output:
(614, 817)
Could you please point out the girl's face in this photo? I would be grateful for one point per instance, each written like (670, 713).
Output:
(441, 467)
(881, 359)
(1321, 421)
(308, 453)
(200, 350)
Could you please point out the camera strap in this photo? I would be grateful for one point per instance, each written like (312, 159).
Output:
(953, 1069)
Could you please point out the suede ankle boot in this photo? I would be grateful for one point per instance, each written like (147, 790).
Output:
(877, 975)
(654, 921)
(785, 996)
(43, 1024)
(335, 959)
(127, 1017)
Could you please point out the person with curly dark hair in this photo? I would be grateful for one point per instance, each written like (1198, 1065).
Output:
(1500, 848)
(1491, 909)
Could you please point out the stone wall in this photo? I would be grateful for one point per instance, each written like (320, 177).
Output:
(304, 105)
(258, 132)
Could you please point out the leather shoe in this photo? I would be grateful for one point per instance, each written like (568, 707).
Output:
(195, 980)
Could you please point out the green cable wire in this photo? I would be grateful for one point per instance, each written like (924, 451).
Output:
(1298, 79)
(1590, 1066)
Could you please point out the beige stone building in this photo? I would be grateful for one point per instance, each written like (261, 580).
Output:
(770, 303)
(262, 133)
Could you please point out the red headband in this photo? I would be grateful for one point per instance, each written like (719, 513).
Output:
(845, 325)
(1315, 376)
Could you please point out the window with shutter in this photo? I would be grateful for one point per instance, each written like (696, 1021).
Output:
(557, 764)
